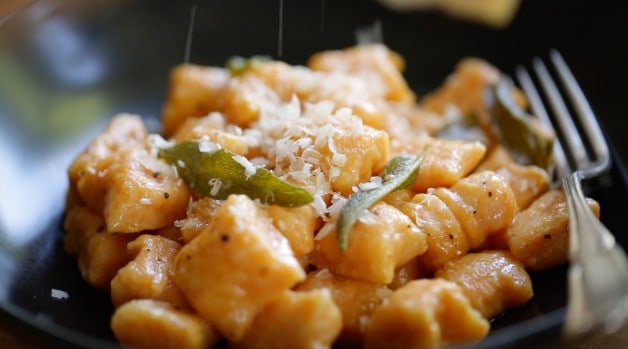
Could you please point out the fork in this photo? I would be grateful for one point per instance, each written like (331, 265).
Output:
(598, 271)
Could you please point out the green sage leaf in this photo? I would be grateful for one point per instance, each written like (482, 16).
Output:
(220, 173)
(400, 173)
(238, 65)
(517, 130)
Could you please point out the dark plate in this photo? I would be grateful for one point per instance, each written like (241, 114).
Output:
(66, 67)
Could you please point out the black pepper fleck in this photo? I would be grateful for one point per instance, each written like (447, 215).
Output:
(166, 195)
(224, 238)
(475, 211)
(156, 174)
(451, 236)
(490, 193)
(547, 236)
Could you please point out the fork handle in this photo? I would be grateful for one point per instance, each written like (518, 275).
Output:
(598, 276)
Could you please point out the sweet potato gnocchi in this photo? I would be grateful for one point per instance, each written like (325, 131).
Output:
(313, 206)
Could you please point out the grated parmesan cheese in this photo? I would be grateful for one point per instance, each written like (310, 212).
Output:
(59, 294)
(312, 156)
(304, 173)
(215, 184)
(249, 168)
(325, 230)
(339, 159)
(259, 161)
(156, 142)
(323, 135)
(337, 202)
(207, 146)
(319, 205)
(304, 142)
(367, 186)
(334, 173)
(367, 217)
(180, 223)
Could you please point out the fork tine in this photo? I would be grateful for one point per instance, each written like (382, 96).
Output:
(536, 104)
(584, 112)
(563, 117)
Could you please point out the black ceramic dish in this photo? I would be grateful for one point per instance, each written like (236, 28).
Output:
(67, 66)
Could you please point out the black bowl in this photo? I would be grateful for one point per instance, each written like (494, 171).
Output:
(66, 67)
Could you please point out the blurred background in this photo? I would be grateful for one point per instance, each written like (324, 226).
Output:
(74, 58)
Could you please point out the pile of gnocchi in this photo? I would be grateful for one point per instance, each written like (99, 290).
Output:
(235, 240)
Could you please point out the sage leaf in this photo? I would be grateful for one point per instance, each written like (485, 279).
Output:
(238, 65)
(400, 173)
(526, 139)
(220, 173)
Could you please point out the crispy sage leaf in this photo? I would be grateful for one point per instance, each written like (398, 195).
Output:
(238, 65)
(522, 135)
(220, 173)
(400, 173)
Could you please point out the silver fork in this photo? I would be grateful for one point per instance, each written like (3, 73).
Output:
(598, 272)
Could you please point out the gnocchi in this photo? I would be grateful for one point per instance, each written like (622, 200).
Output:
(428, 264)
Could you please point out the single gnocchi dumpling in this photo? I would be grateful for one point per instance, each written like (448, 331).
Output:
(374, 63)
(444, 235)
(194, 91)
(445, 162)
(87, 172)
(305, 319)
(494, 281)
(149, 274)
(244, 262)
(143, 193)
(118, 176)
(483, 203)
(355, 299)
(100, 253)
(527, 182)
(152, 324)
(426, 313)
(539, 236)
(213, 128)
(464, 88)
(382, 240)
(297, 224)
